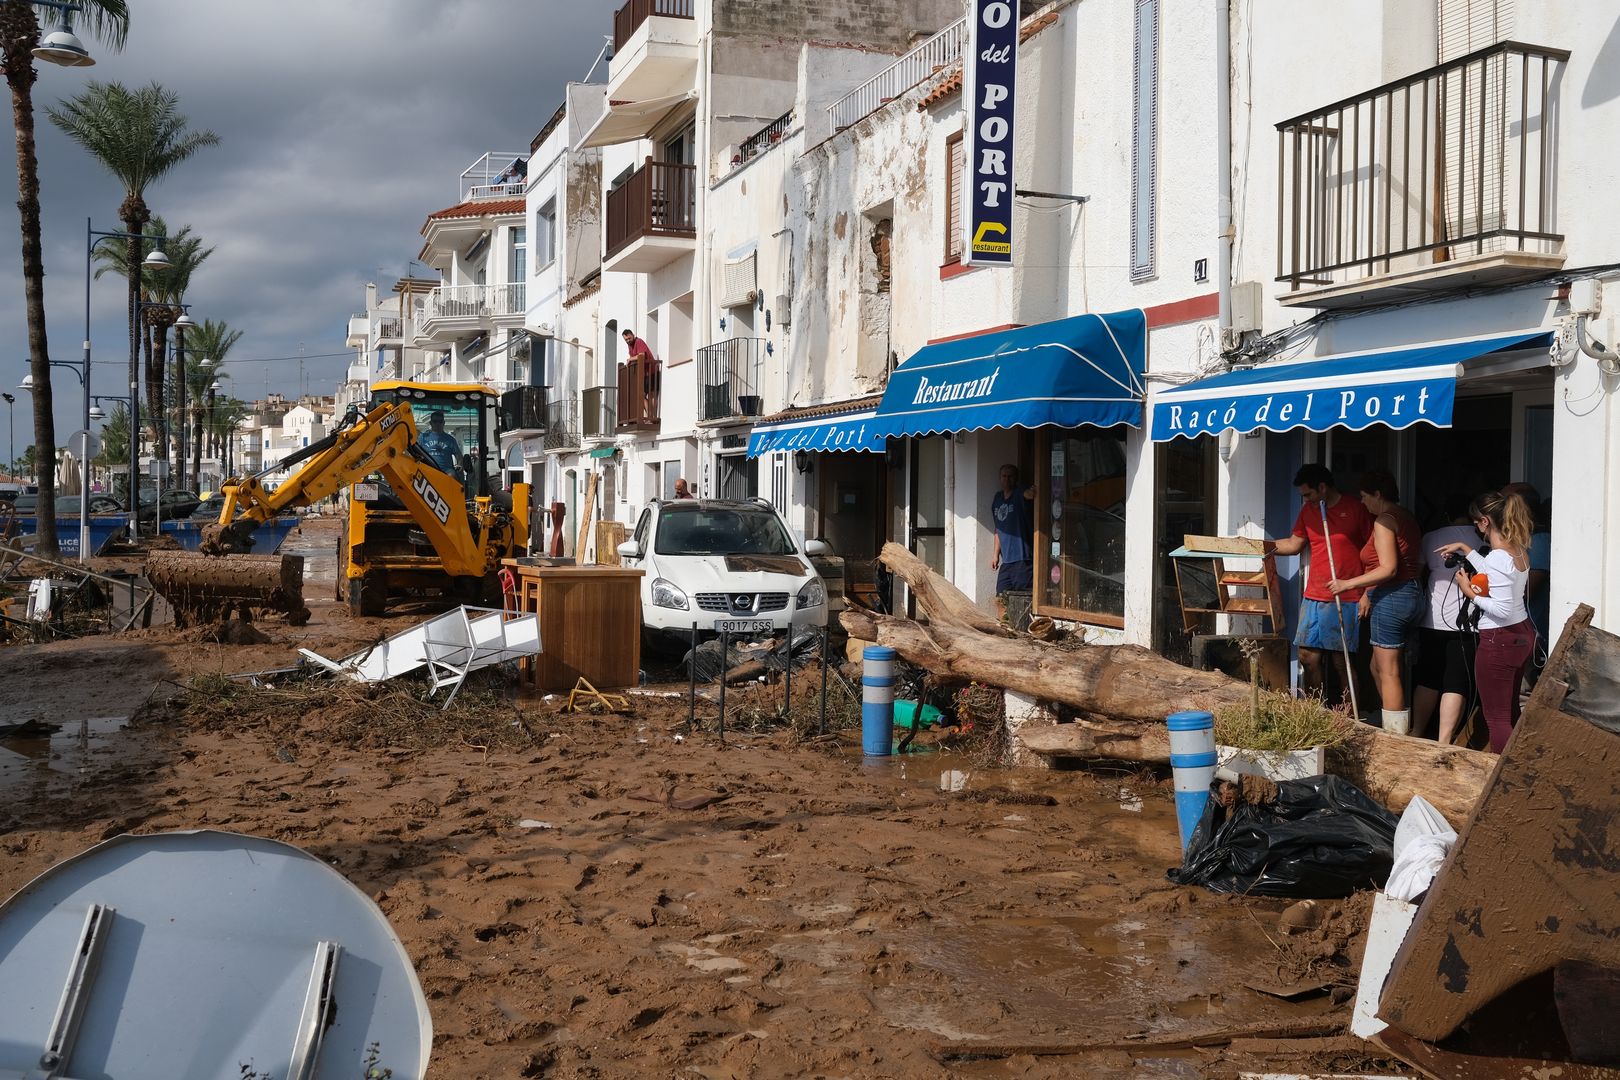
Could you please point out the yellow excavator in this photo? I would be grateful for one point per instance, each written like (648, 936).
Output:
(421, 513)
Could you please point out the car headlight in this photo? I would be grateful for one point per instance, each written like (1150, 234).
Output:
(814, 594)
(666, 595)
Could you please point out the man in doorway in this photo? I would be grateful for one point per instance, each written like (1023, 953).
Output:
(441, 446)
(1012, 553)
(639, 349)
(1327, 628)
(682, 489)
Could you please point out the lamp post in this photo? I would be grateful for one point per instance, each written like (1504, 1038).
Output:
(156, 260)
(11, 425)
(84, 452)
(181, 325)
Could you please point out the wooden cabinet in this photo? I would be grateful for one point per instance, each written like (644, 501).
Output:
(590, 624)
(1209, 587)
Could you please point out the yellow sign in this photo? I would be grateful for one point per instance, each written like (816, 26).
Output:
(1001, 247)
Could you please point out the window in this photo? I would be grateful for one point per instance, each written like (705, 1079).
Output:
(545, 234)
(519, 266)
(687, 529)
(954, 177)
(1144, 139)
(1080, 525)
(672, 472)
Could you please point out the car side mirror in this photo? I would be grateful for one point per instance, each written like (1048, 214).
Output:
(629, 550)
(816, 547)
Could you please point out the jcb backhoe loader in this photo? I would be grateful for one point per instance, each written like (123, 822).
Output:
(420, 514)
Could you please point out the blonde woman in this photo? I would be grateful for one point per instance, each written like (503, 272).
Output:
(1507, 637)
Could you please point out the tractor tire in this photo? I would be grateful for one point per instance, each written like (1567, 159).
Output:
(368, 595)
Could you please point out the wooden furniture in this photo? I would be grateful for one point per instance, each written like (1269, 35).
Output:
(1262, 596)
(590, 624)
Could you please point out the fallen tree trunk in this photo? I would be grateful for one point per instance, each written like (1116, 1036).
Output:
(1127, 691)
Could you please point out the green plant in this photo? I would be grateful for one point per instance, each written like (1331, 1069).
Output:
(374, 1071)
(1277, 721)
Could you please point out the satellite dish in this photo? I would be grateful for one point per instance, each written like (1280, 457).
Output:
(201, 955)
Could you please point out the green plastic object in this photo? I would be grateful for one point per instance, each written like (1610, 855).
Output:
(905, 714)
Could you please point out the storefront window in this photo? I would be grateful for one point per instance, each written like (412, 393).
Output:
(1080, 526)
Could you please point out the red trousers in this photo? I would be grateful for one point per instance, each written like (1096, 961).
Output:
(1499, 666)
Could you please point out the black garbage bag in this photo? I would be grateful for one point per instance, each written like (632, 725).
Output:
(1319, 838)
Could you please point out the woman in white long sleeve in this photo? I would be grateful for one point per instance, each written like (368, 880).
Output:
(1507, 637)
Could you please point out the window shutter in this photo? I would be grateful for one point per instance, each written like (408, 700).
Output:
(1466, 25)
(740, 284)
(954, 165)
(1144, 139)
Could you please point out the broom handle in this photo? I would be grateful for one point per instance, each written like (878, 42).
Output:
(1338, 605)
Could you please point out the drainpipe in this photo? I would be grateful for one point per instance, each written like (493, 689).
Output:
(1223, 156)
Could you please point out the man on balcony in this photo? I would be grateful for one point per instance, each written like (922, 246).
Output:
(639, 350)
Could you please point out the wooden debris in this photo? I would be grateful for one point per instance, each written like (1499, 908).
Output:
(584, 690)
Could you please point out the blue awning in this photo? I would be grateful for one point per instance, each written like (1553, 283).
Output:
(1393, 387)
(1068, 373)
(846, 431)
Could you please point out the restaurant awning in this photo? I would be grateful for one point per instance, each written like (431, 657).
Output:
(823, 432)
(1086, 370)
(1393, 387)
(624, 121)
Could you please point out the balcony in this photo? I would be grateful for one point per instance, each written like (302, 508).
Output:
(638, 395)
(524, 409)
(388, 331)
(1441, 180)
(730, 373)
(562, 426)
(935, 54)
(499, 174)
(356, 338)
(471, 307)
(655, 50)
(652, 218)
(598, 420)
(762, 140)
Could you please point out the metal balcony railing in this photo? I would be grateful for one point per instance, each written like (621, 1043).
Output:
(937, 52)
(473, 301)
(499, 174)
(392, 329)
(1454, 161)
(639, 386)
(598, 421)
(658, 199)
(524, 409)
(628, 19)
(562, 425)
(763, 139)
(730, 373)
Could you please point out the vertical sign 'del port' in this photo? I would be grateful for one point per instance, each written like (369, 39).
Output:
(990, 71)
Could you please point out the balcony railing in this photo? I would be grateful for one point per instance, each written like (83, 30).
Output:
(730, 373)
(639, 381)
(389, 329)
(524, 409)
(628, 19)
(562, 425)
(659, 199)
(762, 140)
(601, 408)
(498, 174)
(1454, 161)
(473, 301)
(912, 68)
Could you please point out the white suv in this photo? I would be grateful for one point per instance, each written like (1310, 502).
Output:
(723, 565)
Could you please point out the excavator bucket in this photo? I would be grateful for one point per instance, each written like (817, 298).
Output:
(207, 588)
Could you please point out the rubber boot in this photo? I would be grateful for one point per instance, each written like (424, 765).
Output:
(1398, 721)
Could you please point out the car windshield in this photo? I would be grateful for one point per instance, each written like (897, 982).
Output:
(722, 531)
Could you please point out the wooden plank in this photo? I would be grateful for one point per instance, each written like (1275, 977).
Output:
(1225, 545)
(1248, 605)
(1249, 578)
(585, 520)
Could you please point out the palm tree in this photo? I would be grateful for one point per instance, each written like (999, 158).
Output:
(222, 420)
(139, 136)
(211, 341)
(108, 21)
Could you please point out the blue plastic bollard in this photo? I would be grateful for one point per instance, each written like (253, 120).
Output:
(877, 701)
(1192, 757)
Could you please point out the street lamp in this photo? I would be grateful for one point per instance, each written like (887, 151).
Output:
(62, 46)
(181, 325)
(84, 453)
(154, 260)
(11, 454)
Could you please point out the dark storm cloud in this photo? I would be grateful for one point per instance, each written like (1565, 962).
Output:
(343, 125)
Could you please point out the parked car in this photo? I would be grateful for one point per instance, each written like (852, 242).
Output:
(68, 505)
(209, 509)
(724, 565)
(26, 504)
(175, 503)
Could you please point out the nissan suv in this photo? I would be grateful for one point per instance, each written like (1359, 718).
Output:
(723, 565)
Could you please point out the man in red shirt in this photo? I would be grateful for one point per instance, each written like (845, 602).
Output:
(1349, 527)
(649, 374)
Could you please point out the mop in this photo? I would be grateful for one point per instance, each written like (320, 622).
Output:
(1338, 606)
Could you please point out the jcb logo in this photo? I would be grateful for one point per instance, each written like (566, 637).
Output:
(435, 501)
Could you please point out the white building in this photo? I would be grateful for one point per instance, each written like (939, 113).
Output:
(383, 337)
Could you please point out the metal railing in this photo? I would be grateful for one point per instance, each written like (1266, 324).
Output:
(598, 421)
(658, 199)
(1454, 161)
(524, 409)
(628, 19)
(937, 52)
(562, 425)
(389, 329)
(497, 174)
(473, 301)
(639, 384)
(763, 139)
(730, 373)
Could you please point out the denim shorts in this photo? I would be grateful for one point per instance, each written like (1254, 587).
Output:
(1396, 610)
(1319, 626)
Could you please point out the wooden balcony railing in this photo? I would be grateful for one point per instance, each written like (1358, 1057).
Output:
(628, 19)
(730, 373)
(598, 421)
(639, 386)
(1454, 161)
(659, 199)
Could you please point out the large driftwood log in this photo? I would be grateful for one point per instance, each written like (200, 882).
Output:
(1126, 692)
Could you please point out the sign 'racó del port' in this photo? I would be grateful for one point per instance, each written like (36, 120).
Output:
(990, 87)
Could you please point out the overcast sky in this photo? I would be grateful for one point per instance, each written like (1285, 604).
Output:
(342, 126)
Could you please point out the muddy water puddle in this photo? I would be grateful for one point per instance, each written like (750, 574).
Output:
(46, 758)
(319, 553)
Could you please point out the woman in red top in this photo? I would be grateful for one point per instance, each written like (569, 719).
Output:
(1394, 598)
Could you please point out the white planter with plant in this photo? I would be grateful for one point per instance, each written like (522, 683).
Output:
(1276, 735)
